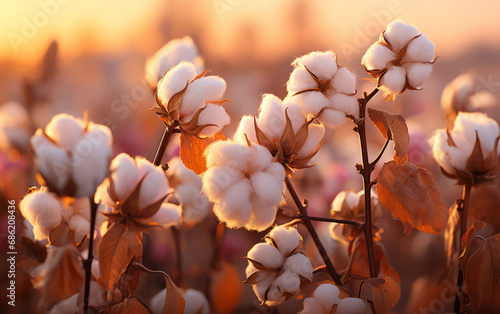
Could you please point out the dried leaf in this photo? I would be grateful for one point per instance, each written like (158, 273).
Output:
(225, 288)
(482, 276)
(394, 127)
(130, 305)
(385, 293)
(30, 254)
(193, 150)
(466, 245)
(114, 253)
(61, 235)
(412, 195)
(451, 242)
(175, 101)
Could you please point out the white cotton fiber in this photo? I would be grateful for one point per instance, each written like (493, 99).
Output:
(157, 302)
(266, 254)
(201, 91)
(288, 282)
(154, 184)
(440, 152)
(234, 207)
(271, 118)
(266, 188)
(217, 179)
(312, 102)
(53, 160)
(377, 57)
(168, 215)
(42, 210)
(295, 114)
(277, 171)
(274, 296)
(393, 81)
(353, 306)
(299, 264)
(332, 118)
(344, 81)
(246, 126)
(421, 49)
(196, 302)
(65, 130)
(175, 81)
(299, 80)
(418, 73)
(260, 158)
(263, 215)
(213, 114)
(398, 34)
(227, 153)
(314, 138)
(178, 172)
(321, 64)
(125, 175)
(312, 306)
(327, 295)
(80, 226)
(262, 287)
(347, 104)
(285, 238)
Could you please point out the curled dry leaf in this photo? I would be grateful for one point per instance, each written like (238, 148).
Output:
(468, 247)
(225, 288)
(385, 293)
(393, 126)
(130, 305)
(193, 150)
(412, 195)
(451, 243)
(30, 254)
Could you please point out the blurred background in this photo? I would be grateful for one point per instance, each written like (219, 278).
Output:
(103, 46)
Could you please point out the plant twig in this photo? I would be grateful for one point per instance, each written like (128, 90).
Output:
(464, 212)
(167, 134)
(87, 264)
(373, 163)
(303, 211)
(339, 221)
(365, 170)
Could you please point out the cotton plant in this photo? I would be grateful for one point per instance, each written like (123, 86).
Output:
(327, 298)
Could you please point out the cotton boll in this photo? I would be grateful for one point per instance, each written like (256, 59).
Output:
(168, 215)
(263, 215)
(398, 34)
(377, 57)
(295, 114)
(299, 80)
(274, 295)
(52, 160)
(271, 119)
(226, 153)
(80, 226)
(299, 264)
(347, 104)
(266, 254)
(312, 306)
(260, 158)
(332, 118)
(277, 171)
(266, 188)
(201, 91)
(440, 151)
(154, 183)
(393, 81)
(312, 102)
(314, 138)
(43, 211)
(217, 179)
(286, 239)
(288, 282)
(196, 302)
(125, 175)
(245, 127)
(344, 82)
(261, 288)
(175, 81)
(421, 49)
(487, 129)
(64, 130)
(321, 64)
(177, 171)
(213, 114)
(327, 295)
(418, 73)
(353, 306)
(234, 207)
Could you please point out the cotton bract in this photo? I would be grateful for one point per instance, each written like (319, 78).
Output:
(192, 100)
(137, 189)
(73, 156)
(171, 54)
(401, 59)
(278, 268)
(244, 184)
(186, 188)
(322, 88)
(326, 296)
(468, 150)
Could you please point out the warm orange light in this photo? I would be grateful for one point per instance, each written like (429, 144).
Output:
(14, 155)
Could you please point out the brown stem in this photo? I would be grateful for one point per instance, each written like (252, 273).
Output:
(87, 264)
(464, 212)
(366, 170)
(303, 211)
(339, 221)
(167, 134)
(178, 276)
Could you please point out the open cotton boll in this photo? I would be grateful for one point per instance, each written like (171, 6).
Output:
(314, 138)
(312, 306)
(80, 226)
(234, 207)
(312, 102)
(377, 57)
(168, 215)
(347, 104)
(196, 302)
(353, 306)
(177, 169)
(332, 118)
(43, 211)
(344, 81)
(295, 113)
(266, 254)
(213, 114)
(418, 73)
(327, 295)
(393, 81)
(53, 164)
(288, 282)
(227, 153)
(466, 125)
(322, 64)
(124, 174)
(217, 179)
(421, 49)
(440, 152)
(201, 91)
(245, 127)
(64, 130)
(271, 119)
(299, 264)
(154, 183)
(277, 171)
(285, 238)
(263, 215)
(266, 188)
(175, 81)
(299, 80)
(260, 158)
(398, 34)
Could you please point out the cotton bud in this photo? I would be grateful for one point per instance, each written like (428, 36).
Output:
(14, 126)
(77, 214)
(244, 184)
(323, 89)
(401, 59)
(43, 211)
(348, 205)
(171, 54)
(136, 189)
(468, 150)
(192, 101)
(283, 129)
(278, 268)
(185, 186)
(196, 302)
(464, 93)
(327, 298)
(73, 155)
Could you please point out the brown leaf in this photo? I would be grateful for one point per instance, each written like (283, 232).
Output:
(385, 293)
(467, 247)
(394, 127)
(451, 242)
(30, 254)
(60, 276)
(193, 151)
(225, 289)
(130, 305)
(61, 235)
(114, 253)
(412, 195)
(482, 276)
